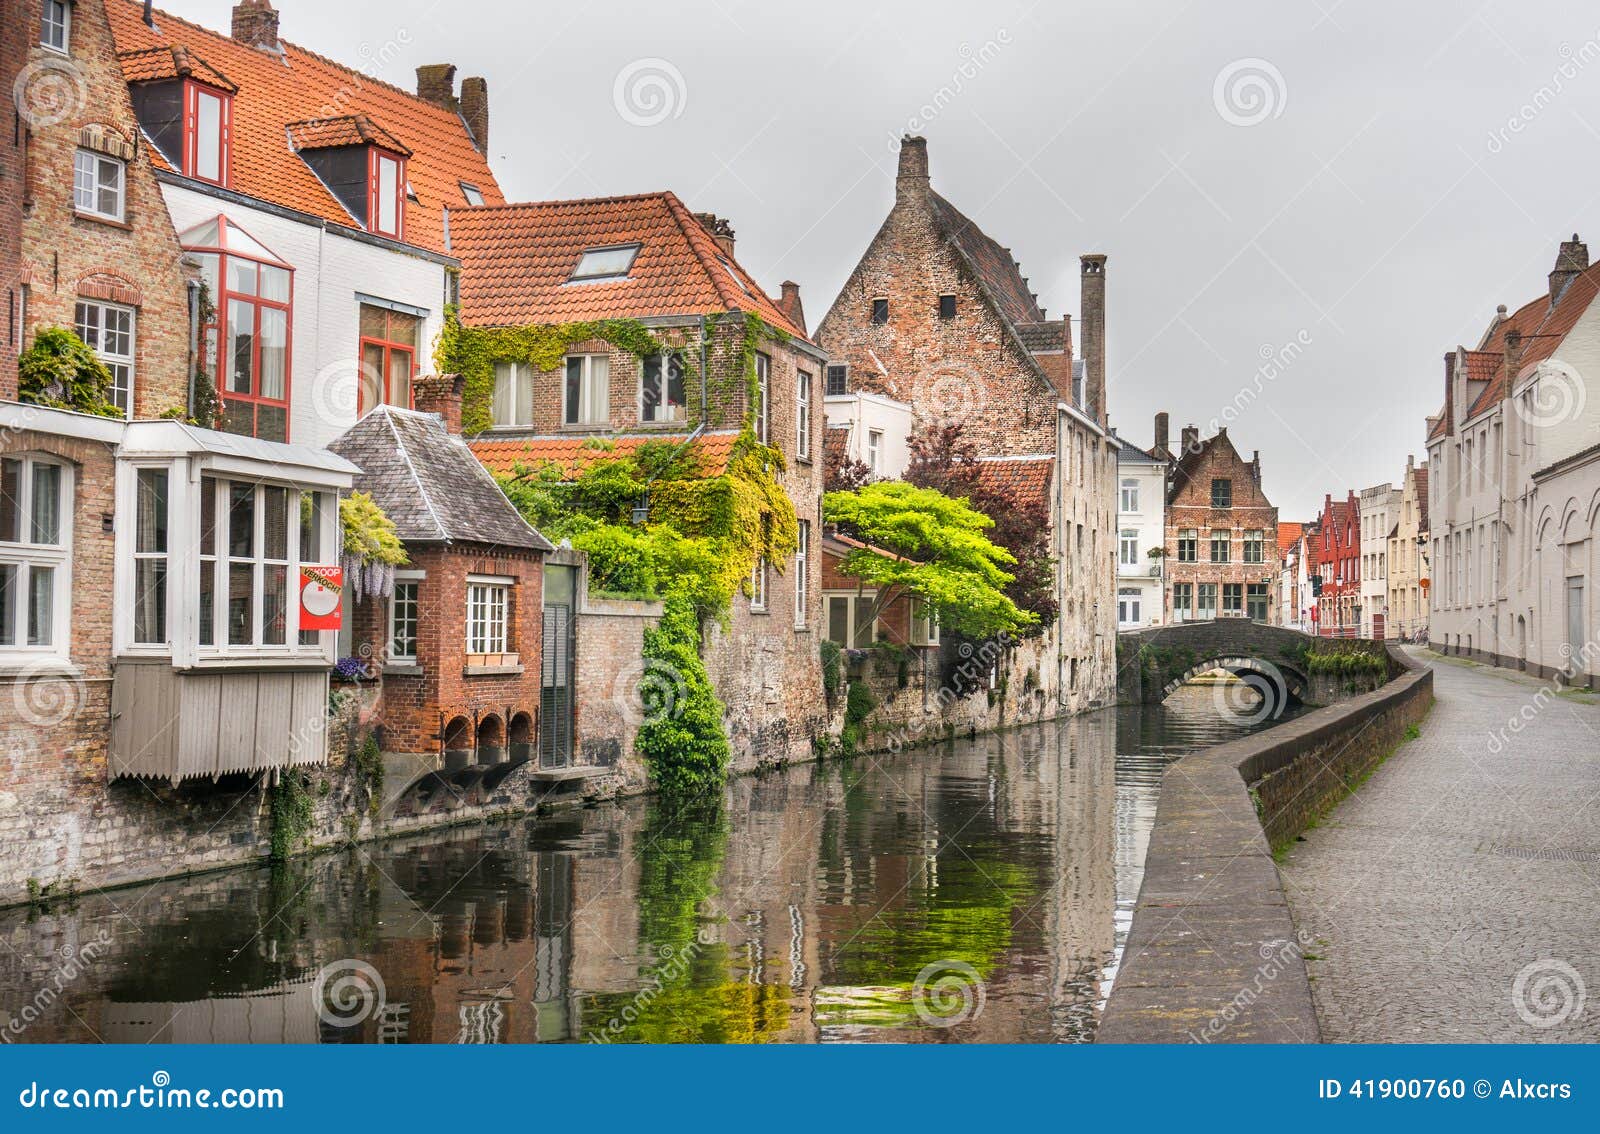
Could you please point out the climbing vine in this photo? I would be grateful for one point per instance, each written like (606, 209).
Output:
(291, 815)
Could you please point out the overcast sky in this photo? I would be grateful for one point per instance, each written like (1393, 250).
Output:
(1342, 175)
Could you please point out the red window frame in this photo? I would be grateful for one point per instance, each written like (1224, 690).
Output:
(216, 338)
(388, 344)
(192, 92)
(375, 159)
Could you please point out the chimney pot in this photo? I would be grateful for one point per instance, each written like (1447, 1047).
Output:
(721, 231)
(475, 109)
(789, 303)
(440, 394)
(255, 22)
(436, 83)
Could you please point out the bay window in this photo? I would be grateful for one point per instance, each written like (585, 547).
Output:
(35, 564)
(661, 388)
(248, 341)
(107, 329)
(586, 393)
(513, 394)
(389, 342)
(850, 619)
(99, 185)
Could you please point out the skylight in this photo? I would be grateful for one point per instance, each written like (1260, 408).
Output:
(472, 193)
(612, 263)
(734, 276)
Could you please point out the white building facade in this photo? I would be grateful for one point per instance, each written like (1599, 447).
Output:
(1141, 532)
(1380, 508)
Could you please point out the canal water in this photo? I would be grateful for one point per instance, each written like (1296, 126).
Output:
(976, 891)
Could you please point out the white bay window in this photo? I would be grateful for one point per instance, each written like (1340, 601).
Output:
(35, 564)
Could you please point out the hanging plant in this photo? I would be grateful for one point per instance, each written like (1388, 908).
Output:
(372, 547)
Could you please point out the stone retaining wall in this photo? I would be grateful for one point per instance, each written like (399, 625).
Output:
(1213, 955)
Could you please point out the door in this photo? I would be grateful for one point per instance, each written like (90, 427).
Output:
(1575, 634)
(555, 688)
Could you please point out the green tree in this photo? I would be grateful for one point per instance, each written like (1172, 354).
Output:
(923, 544)
(59, 370)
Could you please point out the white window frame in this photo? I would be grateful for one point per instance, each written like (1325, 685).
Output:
(1130, 496)
(587, 380)
(26, 555)
(666, 413)
(490, 624)
(855, 602)
(924, 625)
(1130, 603)
(763, 407)
(802, 414)
(95, 162)
(120, 364)
(802, 580)
(56, 14)
(517, 379)
(471, 194)
(874, 450)
(1128, 547)
(758, 585)
(412, 579)
(161, 555)
(221, 560)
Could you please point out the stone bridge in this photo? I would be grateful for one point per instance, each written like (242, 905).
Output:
(1152, 663)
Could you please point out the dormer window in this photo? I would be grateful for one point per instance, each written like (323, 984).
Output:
(597, 265)
(207, 119)
(471, 194)
(386, 184)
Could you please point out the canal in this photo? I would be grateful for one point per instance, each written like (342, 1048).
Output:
(977, 891)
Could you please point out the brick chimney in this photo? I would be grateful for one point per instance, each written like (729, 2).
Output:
(256, 22)
(1092, 335)
(1450, 392)
(1159, 449)
(721, 231)
(1191, 439)
(789, 304)
(1513, 361)
(436, 83)
(475, 109)
(440, 394)
(911, 182)
(1570, 261)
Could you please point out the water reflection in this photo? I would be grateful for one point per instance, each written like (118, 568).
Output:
(806, 906)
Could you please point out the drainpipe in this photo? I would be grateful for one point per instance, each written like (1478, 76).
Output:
(705, 409)
(194, 339)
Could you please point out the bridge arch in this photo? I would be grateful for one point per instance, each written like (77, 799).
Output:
(1152, 663)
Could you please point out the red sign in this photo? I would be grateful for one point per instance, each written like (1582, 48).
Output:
(321, 597)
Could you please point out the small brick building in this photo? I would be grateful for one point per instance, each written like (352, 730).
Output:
(458, 641)
(1336, 559)
(1222, 532)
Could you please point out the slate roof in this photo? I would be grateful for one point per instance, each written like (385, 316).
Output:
(1024, 479)
(992, 263)
(429, 483)
(1130, 454)
(1043, 336)
(502, 455)
(517, 263)
(301, 86)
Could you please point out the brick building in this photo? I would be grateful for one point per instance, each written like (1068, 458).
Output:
(938, 315)
(1222, 532)
(14, 50)
(1336, 562)
(650, 263)
(455, 690)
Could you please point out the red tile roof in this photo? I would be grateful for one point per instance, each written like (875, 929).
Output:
(1018, 478)
(300, 86)
(346, 130)
(502, 457)
(1288, 535)
(1542, 327)
(517, 261)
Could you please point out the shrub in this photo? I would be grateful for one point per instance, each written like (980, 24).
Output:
(59, 370)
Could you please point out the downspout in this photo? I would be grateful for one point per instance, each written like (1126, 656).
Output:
(194, 339)
(1061, 549)
(705, 408)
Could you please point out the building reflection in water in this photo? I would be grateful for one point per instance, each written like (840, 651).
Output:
(803, 908)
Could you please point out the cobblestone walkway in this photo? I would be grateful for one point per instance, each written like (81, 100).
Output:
(1456, 896)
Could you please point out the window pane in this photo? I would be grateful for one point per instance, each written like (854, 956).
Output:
(274, 604)
(371, 376)
(839, 619)
(311, 505)
(241, 276)
(650, 388)
(573, 392)
(275, 522)
(208, 516)
(274, 351)
(524, 395)
(83, 181)
(109, 188)
(151, 527)
(503, 409)
(400, 378)
(272, 423)
(241, 604)
(41, 612)
(208, 603)
(241, 521)
(150, 601)
(274, 283)
(208, 139)
(45, 524)
(10, 501)
(388, 194)
(8, 604)
(597, 403)
(241, 345)
(863, 627)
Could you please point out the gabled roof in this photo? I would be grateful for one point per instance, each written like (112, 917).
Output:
(166, 62)
(300, 86)
(1543, 328)
(1022, 479)
(345, 130)
(517, 264)
(992, 263)
(1288, 535)
(429, 483)
(501, 456)
(1130, 454)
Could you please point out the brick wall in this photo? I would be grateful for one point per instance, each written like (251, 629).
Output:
(13, 57)
(612, 685)
(1190, 508)
(71, 256)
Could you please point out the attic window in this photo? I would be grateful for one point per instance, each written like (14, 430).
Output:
(880, 311)
(207, 119)
(612, 263)
(472, 194)
(947, 307)
(386, 184)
